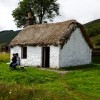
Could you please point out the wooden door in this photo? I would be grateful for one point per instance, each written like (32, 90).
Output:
(45, 57)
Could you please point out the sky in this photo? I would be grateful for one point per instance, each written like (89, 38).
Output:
(81, 10)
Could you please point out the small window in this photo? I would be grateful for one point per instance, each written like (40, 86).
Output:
(24, 52)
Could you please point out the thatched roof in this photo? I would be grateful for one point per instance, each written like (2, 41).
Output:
(47, 34)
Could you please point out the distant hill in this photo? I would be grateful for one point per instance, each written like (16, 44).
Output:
(93, 30)
(7, 36)
(93, 27)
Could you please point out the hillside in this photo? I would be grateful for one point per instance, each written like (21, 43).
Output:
(93, 27)
(95, 41)
(93, 30)
(7, 36)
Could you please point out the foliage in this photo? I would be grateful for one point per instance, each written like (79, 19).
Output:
(41, 10)
(80, 83)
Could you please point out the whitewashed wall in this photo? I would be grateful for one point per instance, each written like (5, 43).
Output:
(33, 55)
(15, 49)
(54, 57)
(75, 52)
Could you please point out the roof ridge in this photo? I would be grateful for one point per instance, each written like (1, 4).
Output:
(47, 24)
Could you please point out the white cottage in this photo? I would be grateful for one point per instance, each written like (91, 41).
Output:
(53, 45)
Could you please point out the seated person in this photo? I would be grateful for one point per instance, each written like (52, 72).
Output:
(18, 59)
(13, 64)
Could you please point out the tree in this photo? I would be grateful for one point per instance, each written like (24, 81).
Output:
(41, 10)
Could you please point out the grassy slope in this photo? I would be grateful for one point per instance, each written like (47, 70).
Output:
(93, 29)
(81, 83)
(96, 40)
(7, 36)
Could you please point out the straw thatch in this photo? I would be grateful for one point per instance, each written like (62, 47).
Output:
(47, 34)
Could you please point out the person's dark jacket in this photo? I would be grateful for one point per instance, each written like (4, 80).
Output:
(14, 59)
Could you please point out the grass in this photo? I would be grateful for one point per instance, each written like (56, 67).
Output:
(85, 81)
(80, 83)
(96, 41)
(30, 84)
(26, 76)
(4, 57)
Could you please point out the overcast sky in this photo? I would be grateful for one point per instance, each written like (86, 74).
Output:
(81, 10)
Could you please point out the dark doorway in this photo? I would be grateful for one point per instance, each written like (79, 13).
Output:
(45, 57)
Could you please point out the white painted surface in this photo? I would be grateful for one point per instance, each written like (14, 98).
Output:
(54, 57)
(33, 55)
(75, 52)
(15, 49)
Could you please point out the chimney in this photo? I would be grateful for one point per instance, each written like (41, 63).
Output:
(29, 15)
(29, 19)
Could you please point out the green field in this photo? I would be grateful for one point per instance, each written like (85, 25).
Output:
(80, 83)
